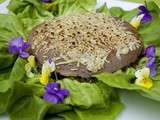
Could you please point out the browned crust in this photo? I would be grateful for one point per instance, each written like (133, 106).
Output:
(115, 64)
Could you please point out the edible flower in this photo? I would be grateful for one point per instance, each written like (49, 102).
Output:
(46, 1)
(143, 79)
(150, 53)
(136, 21)
(54, 93)
(17, 46)
(47, 68)
(30, 66)
(146, 14)
(142, 17)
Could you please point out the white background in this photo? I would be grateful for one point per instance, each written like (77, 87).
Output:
(137, 107)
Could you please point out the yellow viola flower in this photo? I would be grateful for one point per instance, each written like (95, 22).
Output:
(30, 66)
(143, 79)
(47, 68)
(136, 21)
(32, 61)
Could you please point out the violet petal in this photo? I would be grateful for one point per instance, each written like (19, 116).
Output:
(63, 92)
(13, 50)
(51, 98)
(146, 18)
(23, 54)
(150, 51)
(151, 62)
(60, 96)
(26, 45)
(52, 88)
(18, 42)
(153, 71)
(17, 46)
(143, 9)
(147, 15)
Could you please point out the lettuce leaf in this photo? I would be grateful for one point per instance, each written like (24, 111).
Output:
(10, 27)
(30, 12)
(124, 80)
(99, 101)
(94, 114)
(1, 1)
(87, 101)
(18, 70)
(93, 95)
(66, 7)
(30, 108)
(103, 9)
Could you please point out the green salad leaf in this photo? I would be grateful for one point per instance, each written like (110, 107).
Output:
(10, 27)
(30, 12)
(94, 114)
(93, 95)
(103, 9)
(6, 60)
(66, 7)
(1, 1)
(99, 101)
(29, 108)
(18, 71)
(124, 80)
(22, 99)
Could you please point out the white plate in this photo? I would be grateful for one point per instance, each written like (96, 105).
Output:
(137, 107)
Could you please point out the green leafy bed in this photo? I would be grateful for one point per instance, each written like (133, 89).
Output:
(21, 97)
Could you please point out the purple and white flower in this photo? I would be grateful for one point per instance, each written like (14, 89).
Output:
(150, 53)
(17, 46)
(54, 93)
(146, 14)
(142, 17)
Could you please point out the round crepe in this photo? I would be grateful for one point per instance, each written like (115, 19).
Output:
(86, 44)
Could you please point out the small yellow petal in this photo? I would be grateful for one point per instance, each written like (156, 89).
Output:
(45, 77)
(146, 83)
(136, 21)
(31, 60)
(28, 67)
(143, 79)
(143, 73)
(45, 74)
(135, 24)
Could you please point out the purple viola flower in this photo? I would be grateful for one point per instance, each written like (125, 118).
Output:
(150, 53)
(18, 47)
(153, 70)
(147, 15)
(150, 62)
(152, 66)
(54, 93)
(46, 1)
